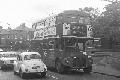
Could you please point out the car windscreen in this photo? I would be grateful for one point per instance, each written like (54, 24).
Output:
(32, 56)
(8, 55)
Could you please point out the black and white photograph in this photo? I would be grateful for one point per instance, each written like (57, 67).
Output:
(59, 39)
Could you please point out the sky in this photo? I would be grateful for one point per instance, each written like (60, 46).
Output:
(15, 12)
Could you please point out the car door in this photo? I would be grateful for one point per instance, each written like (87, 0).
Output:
(18, 63)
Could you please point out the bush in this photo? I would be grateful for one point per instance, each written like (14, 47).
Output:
(115, 64)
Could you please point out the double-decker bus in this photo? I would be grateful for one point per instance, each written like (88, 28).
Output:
(62, 40)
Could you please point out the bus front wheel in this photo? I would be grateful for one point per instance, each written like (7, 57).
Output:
(88, 69)
(59, 67)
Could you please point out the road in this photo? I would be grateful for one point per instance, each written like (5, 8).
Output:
(9, 75)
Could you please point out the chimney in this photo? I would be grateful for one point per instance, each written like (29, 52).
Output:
(23, 25)
(9, 28)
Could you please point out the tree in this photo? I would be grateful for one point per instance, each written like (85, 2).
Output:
(92, 12)
(107, 25)
(113, 1)
(110, 19)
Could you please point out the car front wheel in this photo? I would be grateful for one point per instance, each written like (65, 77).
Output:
(15, 72)
(22, 75)
(43, 74)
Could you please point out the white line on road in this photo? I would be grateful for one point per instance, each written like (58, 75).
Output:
(53, 76)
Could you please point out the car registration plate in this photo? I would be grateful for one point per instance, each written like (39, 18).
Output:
(35, 67)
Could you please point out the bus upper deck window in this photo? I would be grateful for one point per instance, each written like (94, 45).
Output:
(80, 45)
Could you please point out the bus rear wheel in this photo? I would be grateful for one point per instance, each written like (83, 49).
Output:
(88, 69)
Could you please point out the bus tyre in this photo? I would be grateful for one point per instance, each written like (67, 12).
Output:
(59, 67)
(88, 69)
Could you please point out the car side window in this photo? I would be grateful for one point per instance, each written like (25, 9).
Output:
(19, 58)
(26, 57)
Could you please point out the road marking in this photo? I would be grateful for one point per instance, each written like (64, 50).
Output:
(105, 74)
(53, 76)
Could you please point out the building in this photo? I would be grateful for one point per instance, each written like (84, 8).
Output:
(11, 36)
(22, 32)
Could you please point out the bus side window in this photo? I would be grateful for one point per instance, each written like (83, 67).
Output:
(57, 44)
(62, 44)
(80, 45)
(45, 46)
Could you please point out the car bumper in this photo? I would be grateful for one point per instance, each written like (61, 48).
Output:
(35, 70)
(7, 66)
(31, 72)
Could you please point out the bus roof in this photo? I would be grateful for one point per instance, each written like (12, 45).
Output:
(63, 37)
(78, 37)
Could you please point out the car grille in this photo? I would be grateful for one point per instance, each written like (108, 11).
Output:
(11, 61)
(79, 62)
(35, 67)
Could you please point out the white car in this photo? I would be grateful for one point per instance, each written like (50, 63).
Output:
(7, 59)
(29, 62)
(1, 50)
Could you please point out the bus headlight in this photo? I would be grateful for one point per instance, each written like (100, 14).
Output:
(89, 56)
(67, 60)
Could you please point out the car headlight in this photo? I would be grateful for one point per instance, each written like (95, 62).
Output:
(84, 53)
(45, 69)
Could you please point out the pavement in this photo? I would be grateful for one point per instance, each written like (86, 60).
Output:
(104, 66)
(106, 69)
